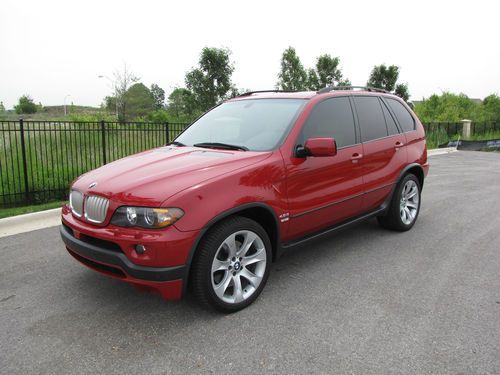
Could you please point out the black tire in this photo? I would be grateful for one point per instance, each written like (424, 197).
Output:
(201, 279)
(392, 219)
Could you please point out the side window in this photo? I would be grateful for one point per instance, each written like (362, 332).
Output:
(371, 119)
(404, 117)
(391, 124)
(331, 118)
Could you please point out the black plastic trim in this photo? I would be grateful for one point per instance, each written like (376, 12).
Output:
(410, 166)
(119, 260)
(336, 227)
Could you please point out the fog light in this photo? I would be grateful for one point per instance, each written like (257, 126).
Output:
(140, 249)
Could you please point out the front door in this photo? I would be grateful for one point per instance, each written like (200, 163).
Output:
(323, 191)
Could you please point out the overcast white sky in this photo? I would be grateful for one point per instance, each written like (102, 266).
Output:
(50, 49)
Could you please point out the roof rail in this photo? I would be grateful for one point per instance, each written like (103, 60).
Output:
(248, 93)
(367, 88)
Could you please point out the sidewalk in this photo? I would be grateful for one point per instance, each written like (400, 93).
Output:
(29, 222)
(441, 151)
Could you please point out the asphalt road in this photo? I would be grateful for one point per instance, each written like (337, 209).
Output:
(363, 301)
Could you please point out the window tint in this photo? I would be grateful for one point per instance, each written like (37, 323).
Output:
(404, 117)
(331, 118)
(370, 116)
(391, 124)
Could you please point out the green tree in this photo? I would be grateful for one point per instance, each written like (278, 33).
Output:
(448, 107)
(401, 90)
(292, 75)
(158, 95)
(26, 105)
(139, 101)
(110, 103)
(210, 82)
(386, 77)
(327, 73)
(2, 107)
(491, 109)
(181, 104)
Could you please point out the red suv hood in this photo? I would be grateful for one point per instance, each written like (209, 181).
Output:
(151, 177)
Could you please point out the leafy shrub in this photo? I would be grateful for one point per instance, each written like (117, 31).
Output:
(26, 105)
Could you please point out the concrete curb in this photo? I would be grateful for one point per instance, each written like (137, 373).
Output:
(29, 222)
(441, 151)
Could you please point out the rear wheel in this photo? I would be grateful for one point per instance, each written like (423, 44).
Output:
(405, 205)
(231, 265)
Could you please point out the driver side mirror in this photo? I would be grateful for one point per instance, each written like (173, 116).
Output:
(317, 147)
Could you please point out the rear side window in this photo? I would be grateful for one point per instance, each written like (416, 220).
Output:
(370, 117)
(404, 117)
(331, 118)
(392, 128)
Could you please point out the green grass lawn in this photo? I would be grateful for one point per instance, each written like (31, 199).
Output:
(439, 137)
(7, 212)
(57, 153)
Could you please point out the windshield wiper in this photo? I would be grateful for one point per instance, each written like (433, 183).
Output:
(225, 146)
(175, 143)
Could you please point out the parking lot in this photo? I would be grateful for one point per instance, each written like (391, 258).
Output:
(363, 301)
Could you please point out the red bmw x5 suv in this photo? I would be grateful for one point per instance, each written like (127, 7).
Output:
(252, 177)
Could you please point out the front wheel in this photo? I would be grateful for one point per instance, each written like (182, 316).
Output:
(231, 265)
(405, 205)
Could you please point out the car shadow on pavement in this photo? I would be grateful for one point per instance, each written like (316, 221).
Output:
(101, 292)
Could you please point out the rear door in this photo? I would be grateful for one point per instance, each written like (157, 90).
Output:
(325, 190)
(384, 151)
(408, 126)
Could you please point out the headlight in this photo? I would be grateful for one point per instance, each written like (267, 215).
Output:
(146, 217)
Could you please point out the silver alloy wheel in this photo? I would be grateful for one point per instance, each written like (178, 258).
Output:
(238, 266)
(408, 205)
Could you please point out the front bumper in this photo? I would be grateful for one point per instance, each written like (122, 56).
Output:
(110, 251)
(167, 281)
(118, 260)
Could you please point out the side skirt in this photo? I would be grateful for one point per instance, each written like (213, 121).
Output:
(335, 228)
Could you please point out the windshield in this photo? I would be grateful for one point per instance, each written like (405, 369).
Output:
(257, 124)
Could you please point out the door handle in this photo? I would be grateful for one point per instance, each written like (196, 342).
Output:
(356, 156)
(398, 145)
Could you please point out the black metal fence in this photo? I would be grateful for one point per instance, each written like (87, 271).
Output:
(439, 133)
(456, 128)
(39, 159)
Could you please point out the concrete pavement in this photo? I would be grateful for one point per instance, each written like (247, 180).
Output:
(364, 301)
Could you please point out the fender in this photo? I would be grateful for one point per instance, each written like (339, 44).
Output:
(222, 216)
(387, 202)
(407, 168)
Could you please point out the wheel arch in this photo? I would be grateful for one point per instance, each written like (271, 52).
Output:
(415, 169)
(260, 212)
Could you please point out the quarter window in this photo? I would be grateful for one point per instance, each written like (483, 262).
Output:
(404, 117)
(392, 128)
(331, 118)
(370, 117)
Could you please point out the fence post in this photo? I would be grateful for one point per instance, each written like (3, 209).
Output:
(103, 136)
(467, 128)
(167, 136)
(25, 164)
